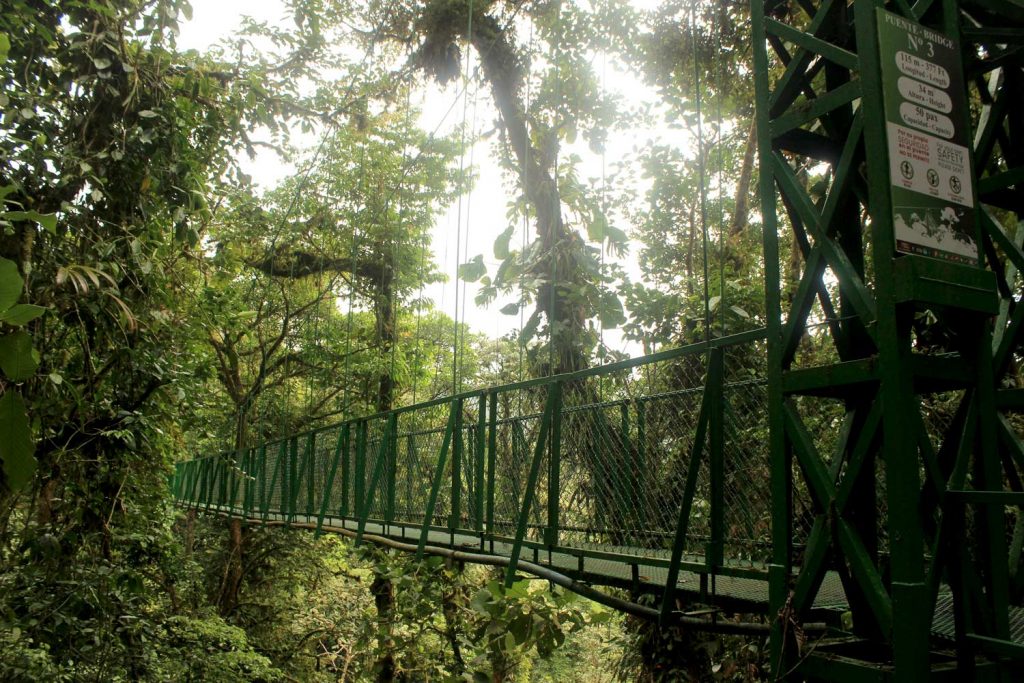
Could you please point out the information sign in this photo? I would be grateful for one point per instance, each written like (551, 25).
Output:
(928, 136)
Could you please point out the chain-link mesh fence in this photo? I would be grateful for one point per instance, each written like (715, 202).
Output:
(608, 461)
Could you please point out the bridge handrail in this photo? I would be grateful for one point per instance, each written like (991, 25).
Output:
(628, 474)
(756, 334)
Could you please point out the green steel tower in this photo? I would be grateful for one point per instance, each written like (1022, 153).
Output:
(891, 144)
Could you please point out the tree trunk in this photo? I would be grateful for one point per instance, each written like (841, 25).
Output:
(741, 208)
(383, 592)
(233, 571)
(502, 68)
(190, 532)
(382, 588)
(450, 601)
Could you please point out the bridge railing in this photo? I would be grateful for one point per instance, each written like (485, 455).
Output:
(659, 463)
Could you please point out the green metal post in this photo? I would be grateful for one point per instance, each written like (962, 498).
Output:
(391, 468)
(286, 482)
(235, 481)
(453, 417)
(292, 490)
(990, 477)
(222, 489)
(194, 468)
(716, 428)
(325, 496)
(259, 474)
(781, 468)
(481, 435)
(554, 471)
(211, 481)
(469, 467)
(217, 490)
(378, 470)
(200, 483)
(346, 458)
(279, 469)
(245, 487)
(196, 481)
(412, 471)
(689, 491)
(456, 500)
(910, 623)
(263, 479)
(553, 399)
(247, 479)
(634, 471)
(310, 474)
(360, 469)
(211, 490)
(640, 462)
(205, 483)
(492, 456)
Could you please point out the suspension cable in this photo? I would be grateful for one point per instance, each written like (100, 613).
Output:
(719, 96)
(557, 217)
(458, 223)
(701, 171)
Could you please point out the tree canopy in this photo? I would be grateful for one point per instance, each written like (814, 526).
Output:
(156, 302)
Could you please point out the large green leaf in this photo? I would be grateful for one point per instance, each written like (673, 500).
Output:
(610, 310)
(597, 227)
(18, 359)
(20, 314)
(501, 249)
(473, 270)
(17, 450)
(47, 220)
(10, 284)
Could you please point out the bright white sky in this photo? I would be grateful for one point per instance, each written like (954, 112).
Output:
(480, 215)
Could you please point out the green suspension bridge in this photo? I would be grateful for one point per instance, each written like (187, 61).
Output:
(872, 499)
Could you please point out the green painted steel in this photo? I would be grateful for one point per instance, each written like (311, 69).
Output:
(480, 457)
(438, 480)
(550, 413)
(882, 476)
(891, 449)
(564, 471)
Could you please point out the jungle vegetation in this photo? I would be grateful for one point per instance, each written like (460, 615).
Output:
(156, 304)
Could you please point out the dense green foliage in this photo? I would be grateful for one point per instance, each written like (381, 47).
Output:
(154, 304)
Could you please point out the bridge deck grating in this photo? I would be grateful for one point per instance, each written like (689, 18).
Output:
(633, 567)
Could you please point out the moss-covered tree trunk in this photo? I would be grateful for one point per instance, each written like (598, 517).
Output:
(382, 588)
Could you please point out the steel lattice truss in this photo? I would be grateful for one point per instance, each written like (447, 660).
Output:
(917, 485)
(882, 476)
(650, 474)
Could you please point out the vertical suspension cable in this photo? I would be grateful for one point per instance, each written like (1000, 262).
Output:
(521, 342)
(604, 215)
(720, 72)
(419, 297)
(700, 170)
(393, 274)
(458, 224)
(465, 256)
(444, 292)
(283, 427)
(353, 262)
(394, 269)
(320, 294)
(557, 217)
